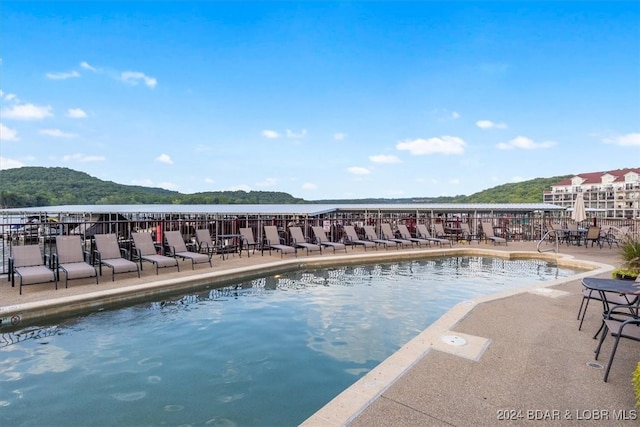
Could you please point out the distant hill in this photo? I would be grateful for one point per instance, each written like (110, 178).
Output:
(519, 192)
(41, 186)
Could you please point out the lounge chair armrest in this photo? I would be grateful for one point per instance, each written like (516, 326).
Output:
(97, 256)
(171, 250)
(124, 253)
(10, 276)
(87, 256)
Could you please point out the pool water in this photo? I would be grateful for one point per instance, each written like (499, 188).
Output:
(268, 352)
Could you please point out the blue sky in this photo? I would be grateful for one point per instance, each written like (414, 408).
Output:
(324, 99)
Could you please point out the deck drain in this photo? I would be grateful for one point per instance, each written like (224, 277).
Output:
(454, 340)
(595, 365)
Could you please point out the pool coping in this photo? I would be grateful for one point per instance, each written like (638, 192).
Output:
(28, 313)
(353, 400)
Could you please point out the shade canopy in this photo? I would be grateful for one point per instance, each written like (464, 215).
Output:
(579, 212)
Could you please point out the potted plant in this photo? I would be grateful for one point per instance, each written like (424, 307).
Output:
(630, 254)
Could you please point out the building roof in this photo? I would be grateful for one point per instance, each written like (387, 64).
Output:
(596, 177)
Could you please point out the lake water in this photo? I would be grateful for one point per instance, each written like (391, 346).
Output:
(269, 352)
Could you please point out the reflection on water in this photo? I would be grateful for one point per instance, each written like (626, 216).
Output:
(270, 351)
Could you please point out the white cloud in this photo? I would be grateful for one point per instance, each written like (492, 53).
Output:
(339, 136)
(8, 134)
(357, 170)
(268, 182)
(488, 124)
(442, 145)
(57, 133)
(10, 163)
(239, 187)
(382, 158)
(309, 186)
(86, 66)
(168, 185)
(628, 140)
(455, 115)
(63, 76)
(292, 134)
(143, 182)
(134, 77)
(83, 158)
(11, 97)
(76, 113)
(209, 180)
(270, 134)
(524, 143)
(27, 112)
(164, 158)
(146, 182)
(454, 181)
(518, 179)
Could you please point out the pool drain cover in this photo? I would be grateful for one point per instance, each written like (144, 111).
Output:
(454, 340)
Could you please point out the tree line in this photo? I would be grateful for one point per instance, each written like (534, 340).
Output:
(42, 186)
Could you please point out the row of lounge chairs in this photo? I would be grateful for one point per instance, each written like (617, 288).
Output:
(28, 266)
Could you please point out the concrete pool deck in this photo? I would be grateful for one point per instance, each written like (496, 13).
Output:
(523, 359)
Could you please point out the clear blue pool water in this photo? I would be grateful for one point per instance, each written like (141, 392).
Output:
(269, 352)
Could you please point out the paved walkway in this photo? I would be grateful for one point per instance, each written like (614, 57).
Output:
(524, 360)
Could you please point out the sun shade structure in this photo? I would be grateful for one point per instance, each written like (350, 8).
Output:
(579, 212)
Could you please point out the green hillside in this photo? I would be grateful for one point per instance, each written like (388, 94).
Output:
(40, 186)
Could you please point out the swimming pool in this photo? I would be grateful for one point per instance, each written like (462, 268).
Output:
(267, 352)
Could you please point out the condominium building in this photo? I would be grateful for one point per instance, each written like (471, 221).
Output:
(610, 194)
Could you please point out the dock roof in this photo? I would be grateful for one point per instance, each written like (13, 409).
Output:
(307, 209)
